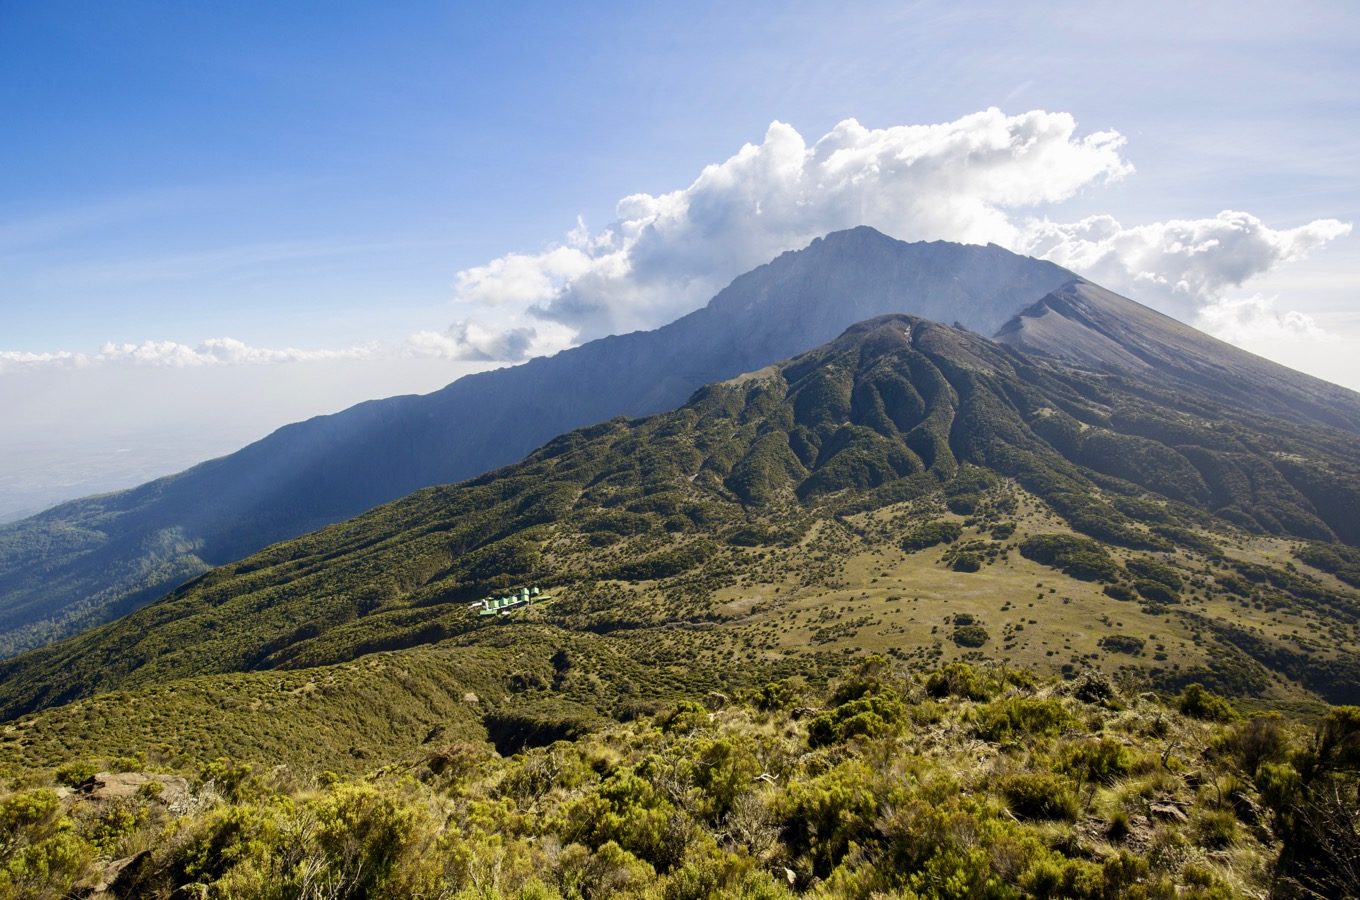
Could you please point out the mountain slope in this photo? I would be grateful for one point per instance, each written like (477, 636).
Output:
(90, 560)
(94, 559)
(1084, 323)
(828, 467)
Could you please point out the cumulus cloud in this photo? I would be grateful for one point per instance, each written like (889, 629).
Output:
(1254, 320)
(172, 354)
(666, 254)
(474, 342)
(985, 177)
(14, 359)
(1183, 266)
(981, 178)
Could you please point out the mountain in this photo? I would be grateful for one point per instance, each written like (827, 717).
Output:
(880, 618)
(1085, 324)
(905, 476)
(94, 559)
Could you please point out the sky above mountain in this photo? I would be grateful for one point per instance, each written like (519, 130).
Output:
(217, 219)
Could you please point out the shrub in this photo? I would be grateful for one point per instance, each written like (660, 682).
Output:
(232, 779)
(1216, 829)
(967, 562)
(1040, 795)
(607, 870)
(748, 536)
(1122, 643)
(1148, 569)
(629, 811)
(40, 855)
(1013, 717)
(1156, 592)
(960, 680)
(74, 774)
(1100, 761)
(963, 504)
(823, 816)
(1119, 826)
(687, 716)
(869, 715)
(1199, 702)
(1077, 557)
(970, 635)
(783, 694)
(723, 773)
(1259, 740)
(931, 534)
(1093, 686)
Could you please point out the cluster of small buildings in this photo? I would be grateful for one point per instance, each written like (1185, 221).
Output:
(501, 606)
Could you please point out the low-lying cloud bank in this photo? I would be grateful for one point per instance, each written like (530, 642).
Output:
(982, 178)
(172, 354)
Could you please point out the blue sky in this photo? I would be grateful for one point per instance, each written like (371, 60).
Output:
(314, 177)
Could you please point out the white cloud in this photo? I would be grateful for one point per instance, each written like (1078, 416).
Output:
(665, 255)
(477, 343)
(14, 359)
(1254, 320)
(980, 178)
(172, 354)
(983, 177)
(1183, 266)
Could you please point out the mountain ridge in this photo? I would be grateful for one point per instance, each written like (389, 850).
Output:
(640, 524)
(90, 560)
(309, 474)
(1083, 323)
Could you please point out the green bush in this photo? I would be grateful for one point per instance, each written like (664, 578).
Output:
(869, 715)
(1147, 568)
(931, 534)
(824, 817)
(1259, 740)
(1122, 643)
(1199, 702)
(1101, 761)
(783, 694)
(963, 504)
(1016, 717)
(724, 770)
(1040, 796)
(629, 811)
(75, 773)
(686, 716)
(967, 562)
(970, 635)
(1216, 829)
(40, 853)
(1156, 592)
(1075, 556)
(961, 680)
